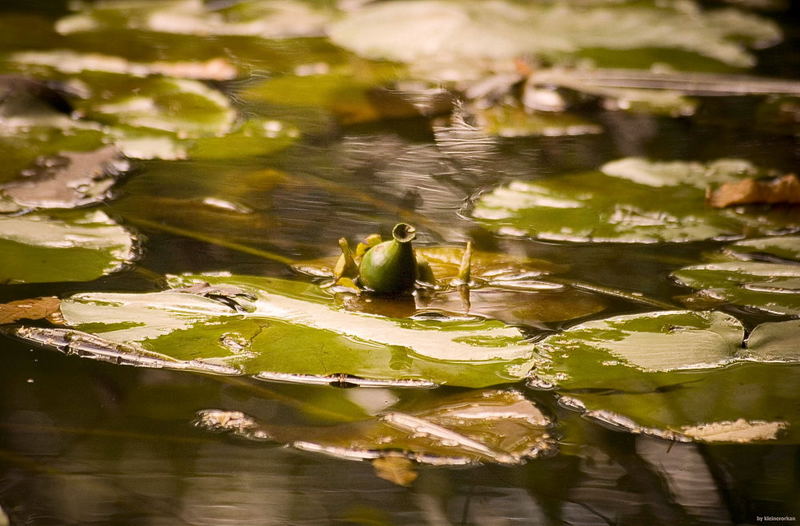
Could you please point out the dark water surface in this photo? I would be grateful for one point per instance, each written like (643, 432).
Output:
(83, 442)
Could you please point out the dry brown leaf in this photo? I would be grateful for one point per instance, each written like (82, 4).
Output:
(740, 431)
(398, 470)
(30, 309)
(784, 189)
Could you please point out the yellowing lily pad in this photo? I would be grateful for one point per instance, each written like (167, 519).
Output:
(503, 287)
(630, 201)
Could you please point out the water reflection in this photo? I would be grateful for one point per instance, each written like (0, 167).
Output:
(113, 452)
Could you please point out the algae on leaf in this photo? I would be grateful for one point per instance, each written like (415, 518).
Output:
(75, 246)
(278, 329)
(630, 200)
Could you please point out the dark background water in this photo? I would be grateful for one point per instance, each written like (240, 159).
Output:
(83, 442)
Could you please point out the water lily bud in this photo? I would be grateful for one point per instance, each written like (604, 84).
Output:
(391, 267)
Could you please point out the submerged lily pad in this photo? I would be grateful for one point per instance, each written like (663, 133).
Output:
(278, 329)
(770, 287)
(678, 374)
(80, 246)
(435, 34)
(503, 287)
(631, 200)
(484, 426)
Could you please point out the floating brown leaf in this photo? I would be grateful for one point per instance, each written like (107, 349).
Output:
(30, 309)
(784, 189)
(398, 470)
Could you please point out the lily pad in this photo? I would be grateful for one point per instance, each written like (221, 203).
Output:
(181, 106)
(631, 200)
(80, 246)
(678, 375)
(68, 180)
(483, 426)
(265, 19)
(503, 287)
(69, 61)
(29, 139)
(775, 341)
(170, 118)
(783, 247)
(432, 34)
(509, 121)
(486, 267)
(769, 287)
(354, 92)
(279, 329)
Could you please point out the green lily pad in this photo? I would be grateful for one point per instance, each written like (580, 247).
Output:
(80, 246)
(161, 118)
(769, 287)
(631, 200)
(652, 342)
(181, 106)
(481, 426)
(285, 330)
(680, 375)
(434, 34)
(354, 92)
(783, 247)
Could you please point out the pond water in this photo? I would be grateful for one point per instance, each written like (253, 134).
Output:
(84, 441)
